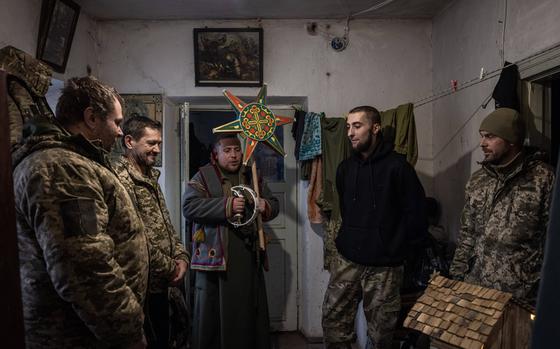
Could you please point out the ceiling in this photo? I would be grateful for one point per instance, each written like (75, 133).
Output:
(263, 9)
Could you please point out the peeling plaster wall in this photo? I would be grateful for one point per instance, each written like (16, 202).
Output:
(388, 62)
(19, 27)
(468, 35)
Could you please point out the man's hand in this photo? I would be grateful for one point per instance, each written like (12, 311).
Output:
(141, 344)
(181, 268)
(262, 205)
(238, 205)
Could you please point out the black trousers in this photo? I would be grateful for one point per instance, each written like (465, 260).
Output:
(157, 321)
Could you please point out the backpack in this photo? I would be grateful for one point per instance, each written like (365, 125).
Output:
(28, 81)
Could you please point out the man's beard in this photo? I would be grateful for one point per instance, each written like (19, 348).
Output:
(494, 158)
(143, 160)
(363, 147)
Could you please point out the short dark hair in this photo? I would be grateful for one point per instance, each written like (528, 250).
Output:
(81, 93)
(372, 114)
(221, 136)
(135, 126)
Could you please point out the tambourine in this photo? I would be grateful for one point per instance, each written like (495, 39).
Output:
(251, 199)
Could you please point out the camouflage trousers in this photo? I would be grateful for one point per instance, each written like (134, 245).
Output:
(350, 283)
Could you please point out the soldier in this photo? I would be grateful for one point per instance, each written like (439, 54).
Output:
(82, 249)
(382, 206)
(168, 258)
(503, 224)
(230, 307)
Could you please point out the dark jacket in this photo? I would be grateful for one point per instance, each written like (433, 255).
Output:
(382, 204)
(207, 203)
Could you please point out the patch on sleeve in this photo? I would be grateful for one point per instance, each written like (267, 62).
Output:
(79, 217)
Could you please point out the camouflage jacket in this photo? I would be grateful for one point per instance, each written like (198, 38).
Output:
(503, 226)
(207, 204)
(82, 249)
(164, 243)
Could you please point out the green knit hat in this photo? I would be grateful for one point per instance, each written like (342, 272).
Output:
(505, 123)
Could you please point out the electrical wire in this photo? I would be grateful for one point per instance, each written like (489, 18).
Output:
(504, 22)
(372, 8)
(460, 128)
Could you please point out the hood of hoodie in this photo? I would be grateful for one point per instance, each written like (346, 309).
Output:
(382, 149)
(41, 133)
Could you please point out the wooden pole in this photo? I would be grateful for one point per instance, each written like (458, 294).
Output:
(260, 229)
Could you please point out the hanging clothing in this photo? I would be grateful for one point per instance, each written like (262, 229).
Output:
(314, 190)
(305, 170)
(336, 147)
(505, 93)
(399, 127)
(297, 130)
(311, 138)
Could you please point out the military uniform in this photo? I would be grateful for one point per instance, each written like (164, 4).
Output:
(378, 287)
(82, 250)
(165, 247)
(503, 226)
(230, 306)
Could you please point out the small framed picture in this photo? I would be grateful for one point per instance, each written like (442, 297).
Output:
(56, 30)
(228, 56)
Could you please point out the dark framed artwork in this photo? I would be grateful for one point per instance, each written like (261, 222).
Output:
(228, 56)
(56, 30)
(150, 105)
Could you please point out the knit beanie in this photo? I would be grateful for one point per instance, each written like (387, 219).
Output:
(505, 123)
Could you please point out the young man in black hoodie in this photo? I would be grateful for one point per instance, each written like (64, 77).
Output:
(382, 204)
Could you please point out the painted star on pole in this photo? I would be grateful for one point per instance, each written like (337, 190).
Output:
(255, 123)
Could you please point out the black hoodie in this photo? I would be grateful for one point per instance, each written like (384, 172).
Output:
(383, 210)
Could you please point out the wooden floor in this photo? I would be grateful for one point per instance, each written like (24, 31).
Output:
(292, 340)
(295, 340)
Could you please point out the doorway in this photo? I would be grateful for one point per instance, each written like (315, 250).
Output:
(280, 174)
(541, 104)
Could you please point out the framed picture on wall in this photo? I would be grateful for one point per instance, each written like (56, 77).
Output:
(228, 56)
(56, 30)
(150, 105)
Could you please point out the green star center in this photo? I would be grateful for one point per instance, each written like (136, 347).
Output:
(257, 122)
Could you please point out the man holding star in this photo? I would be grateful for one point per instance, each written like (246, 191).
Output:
(230, 306)
(230, 303)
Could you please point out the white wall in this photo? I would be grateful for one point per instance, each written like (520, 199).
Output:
(387, 63)
(19, 27)
(468, 35)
